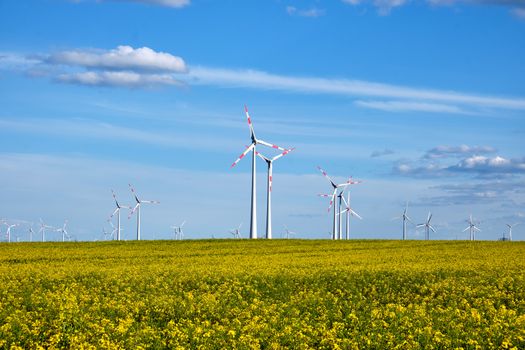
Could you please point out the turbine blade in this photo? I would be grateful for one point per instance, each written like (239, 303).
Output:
(283, 154)
(332, 199)
(150, 202)
(249, 119)
(133, 210)
(326, 175)
(243, 154)
(465, 229)
(430, 227)
(355, 214)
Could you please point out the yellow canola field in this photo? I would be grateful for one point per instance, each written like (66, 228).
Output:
(221, 294)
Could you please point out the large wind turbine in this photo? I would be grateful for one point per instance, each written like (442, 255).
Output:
(117, 211)
(349, 211)
(269, 162)
(252, 147)
(427, 227)
(472, 228)
(332, 198)
(510, 230)
(136, 208)
(405, 219)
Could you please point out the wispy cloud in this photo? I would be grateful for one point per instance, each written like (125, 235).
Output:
(311, 12)
(122, 79)
(410, 106)
(268, 81)
(382, 153)
(444, 151)
(166, 3)
(519, 12)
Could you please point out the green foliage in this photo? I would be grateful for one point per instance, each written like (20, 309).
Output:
(263, 295)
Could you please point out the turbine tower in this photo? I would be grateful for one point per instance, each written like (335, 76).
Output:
(332, 198)
(269, 162)
(136, 208)
(427, 227)
(472, 228)
(252, 147)
(510, 230)
(405, 219)
(349, 211)
(117, 211)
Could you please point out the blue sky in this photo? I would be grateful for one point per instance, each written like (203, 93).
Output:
(422, 100)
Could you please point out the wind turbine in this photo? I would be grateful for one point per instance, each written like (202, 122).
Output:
(288, 232)
(427, 227)
(405, 219)
(349, 211)
(252, 147)
(63, 231)
(472, 228)
(269, 162)
(43, 228)
(332, 198)
(8, 232)
(31, 232)
(136, 208)
(510, 230)
(117, 211)
(236, 232)
(178, 230)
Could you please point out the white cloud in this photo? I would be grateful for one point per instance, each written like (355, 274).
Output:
(312, 12)
(263, 80)
(519, 12)
(457, 151)
(123, 79)
(410, 106)
(383, 6)
(496, 164)
(122, 58)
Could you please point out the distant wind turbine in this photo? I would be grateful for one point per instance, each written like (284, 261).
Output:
(117, 211)
(178, 231)
(136, 208)
(472, 228)
(332, 198)
(31, 232)
(63, 231)
(252, 147)
(269, 162)
(349, 212)
(427, 227)
(405, 219)
(510, 230)
(8, 232)
(43, 228)
(288, 233)
(236, 232)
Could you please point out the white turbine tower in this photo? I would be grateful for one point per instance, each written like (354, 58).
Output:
(349, 211)
(472, 228)
(63, 231)
(43, 228)
(288, 233)
(269, 162)
(335, 231)
(510, 230)
(236, 232)
(117, 211)
(31, 232)
(427, 227)
(405, 219)
(136, 208)
(252, 147)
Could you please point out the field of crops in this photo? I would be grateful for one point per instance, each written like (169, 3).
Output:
(244, 294)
